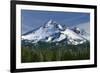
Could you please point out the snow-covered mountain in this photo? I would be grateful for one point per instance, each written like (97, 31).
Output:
(54, 32)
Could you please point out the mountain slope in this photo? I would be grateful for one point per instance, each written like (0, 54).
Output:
(54, 32)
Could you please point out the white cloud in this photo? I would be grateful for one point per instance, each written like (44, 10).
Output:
(85, 26)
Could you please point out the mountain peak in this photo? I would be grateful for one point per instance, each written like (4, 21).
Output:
(50, 22)
(55, 32)
(53, 24)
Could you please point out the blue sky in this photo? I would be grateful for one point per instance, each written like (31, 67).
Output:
(32, 19)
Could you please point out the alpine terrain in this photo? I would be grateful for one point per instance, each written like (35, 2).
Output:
(54, 32)
(55, 42)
